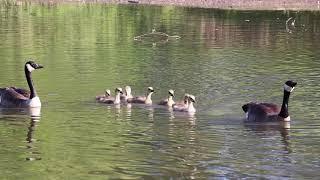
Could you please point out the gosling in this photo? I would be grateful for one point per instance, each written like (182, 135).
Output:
(107, 95)
(182, 104)
(127, 95)
(143, 99)
(189, 108)
(169, 101)
(115, 100)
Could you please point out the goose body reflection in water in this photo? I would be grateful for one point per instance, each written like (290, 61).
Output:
(272, 130)
(34, 121)
(34, 114)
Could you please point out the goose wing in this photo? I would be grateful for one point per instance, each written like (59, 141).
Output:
(163, 102)
(123, 97)
(24, 92)
(109, 100)
(180, 103)
(270, 108)
(179, 107)
(10, 97)
(99, 97)
(137, 99)
(267, 108)
(260, 111)
(106, 100)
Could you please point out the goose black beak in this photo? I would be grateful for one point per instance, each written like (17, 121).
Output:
(294, 84)
(39, 66)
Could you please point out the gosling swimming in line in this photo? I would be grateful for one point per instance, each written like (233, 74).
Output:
(143, 99)
(127, 95)
(183, 103)
(169, 101)
(115, 100)
(187, 107)
(107, 94)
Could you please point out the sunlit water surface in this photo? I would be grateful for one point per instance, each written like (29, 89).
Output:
(224, 58)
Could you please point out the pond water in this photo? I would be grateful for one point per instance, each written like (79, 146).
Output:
(224, 58)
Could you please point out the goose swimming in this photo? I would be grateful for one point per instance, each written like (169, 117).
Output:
(18, 97)
(143, 99)
(182, 104)
(187, 108)
(266, 112)
(107, 95)
(116, 99)
(127, 95)
(169, 101)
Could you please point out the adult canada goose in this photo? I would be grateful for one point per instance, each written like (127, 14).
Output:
(104, 96)
(187, 108)
(17, 97)
(264, 112)
(169, 101)
(127, 95)
(115, 100)
(143, 99)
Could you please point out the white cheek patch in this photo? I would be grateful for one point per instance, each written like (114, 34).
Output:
(30, 68)
(288, 88)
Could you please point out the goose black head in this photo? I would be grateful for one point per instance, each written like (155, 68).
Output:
(289, 86)
(30, 65)
(291, 83)
(119, 90)
(245, 107)
(150, 89)
(171, 92)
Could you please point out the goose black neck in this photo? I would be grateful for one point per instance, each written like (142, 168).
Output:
(284, 108)
(33, 92)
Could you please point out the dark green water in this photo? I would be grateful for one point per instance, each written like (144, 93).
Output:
(224, 58)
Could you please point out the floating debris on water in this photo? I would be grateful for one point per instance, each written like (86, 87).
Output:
(290, 26)
(133, 1)
(33, 158)
(156, 37)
